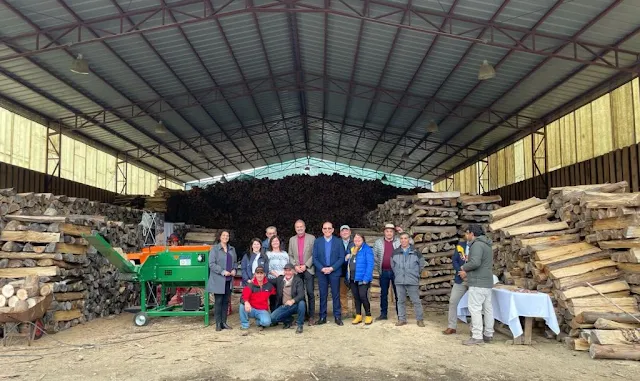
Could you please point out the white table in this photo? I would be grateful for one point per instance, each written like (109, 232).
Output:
(508, 306)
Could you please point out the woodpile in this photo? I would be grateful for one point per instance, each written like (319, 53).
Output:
(431, 219)
(155, 203)
(42, 254)
(476, 210)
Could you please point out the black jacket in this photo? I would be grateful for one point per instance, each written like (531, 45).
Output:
(297, 289)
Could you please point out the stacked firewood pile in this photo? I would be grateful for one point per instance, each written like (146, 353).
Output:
(155, 203)
(476, 210)
(50, 249)
(431, 219)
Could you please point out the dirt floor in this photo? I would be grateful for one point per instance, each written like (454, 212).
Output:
(182, 349)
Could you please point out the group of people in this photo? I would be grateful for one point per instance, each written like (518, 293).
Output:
(278, 285)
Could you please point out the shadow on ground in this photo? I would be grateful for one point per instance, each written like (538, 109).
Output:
(350, 374)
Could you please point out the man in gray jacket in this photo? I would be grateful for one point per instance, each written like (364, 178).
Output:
(477, 272)
(407, 264)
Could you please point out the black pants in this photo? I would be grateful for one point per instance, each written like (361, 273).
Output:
(222, 304)
(361, 297)
(307, 279)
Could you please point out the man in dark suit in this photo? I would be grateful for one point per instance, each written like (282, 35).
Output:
(328, 257)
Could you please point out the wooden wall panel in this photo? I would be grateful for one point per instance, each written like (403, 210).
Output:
(622, 116)
(25, 180)
(619, 165)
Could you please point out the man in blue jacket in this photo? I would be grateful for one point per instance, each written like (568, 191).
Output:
(328, 257)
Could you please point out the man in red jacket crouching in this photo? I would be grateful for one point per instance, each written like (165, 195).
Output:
(255, 301)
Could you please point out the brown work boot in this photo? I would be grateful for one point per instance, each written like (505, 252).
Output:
(400, 323)
(449, 331)
(420, 324)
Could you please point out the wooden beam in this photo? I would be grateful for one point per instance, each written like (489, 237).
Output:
(538, 228)
(536, 211)
(22, 272)
(604, 288)
(516, 208)
(438, 195)
(30, 236)
(581, 269)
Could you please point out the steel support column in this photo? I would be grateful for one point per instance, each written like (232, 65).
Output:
(53, 163)
(122, 173)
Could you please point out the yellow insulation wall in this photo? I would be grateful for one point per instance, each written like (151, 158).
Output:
(24, 143)
(606, 124)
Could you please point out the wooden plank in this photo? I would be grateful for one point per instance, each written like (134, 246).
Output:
(538, 228)
(620, 244)
(476, 200)
(616, 223)
(67, 296)
(23, 272)
(608, 337)
(66, 248)
(67, 315)
(29, 236)
(571, 260)
(634, 167)
(581, 269)
(536, 211)
(524, 242)
(74, 230)
(24, 255)
(580, 247)
(594, 200)
(38, 219)
(516, 208)
(578, 292)
(438, 195)
(632, 268)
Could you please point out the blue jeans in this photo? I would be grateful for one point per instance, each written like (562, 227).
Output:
(285, 313)
(263, 318)
(387, 278)
(324, 281)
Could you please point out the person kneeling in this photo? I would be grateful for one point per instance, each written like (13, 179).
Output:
(255, 301)
(290, 299)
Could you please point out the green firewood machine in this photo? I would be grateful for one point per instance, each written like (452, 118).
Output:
(167, 267)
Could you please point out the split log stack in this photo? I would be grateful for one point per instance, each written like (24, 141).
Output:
(156, 203)
(42, 238)
(476, 210)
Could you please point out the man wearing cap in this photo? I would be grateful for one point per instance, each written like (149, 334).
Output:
(328, 257)
(383, 251)
(347, 242)
(407, 264)
(478, 273)
(300, 255)
(255, 301)
(290, 299)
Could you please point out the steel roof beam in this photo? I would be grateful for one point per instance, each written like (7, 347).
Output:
(215, 94)
(91, 98)
(460, 62)
(244, 78)
(356, 55)
(538, 66)
(410, 83)
(381, 78)
(290, 124)
(502, 36)
(153, 49)
(294, 37)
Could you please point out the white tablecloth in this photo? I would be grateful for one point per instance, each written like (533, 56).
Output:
(508, 306)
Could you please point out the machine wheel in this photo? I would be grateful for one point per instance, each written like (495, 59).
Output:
(141, 319)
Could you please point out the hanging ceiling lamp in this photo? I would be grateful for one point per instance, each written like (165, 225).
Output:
(405, 156)
(80, 65)
(160, 129)
(223, 179)
(486, 71)
(200, 153)
(384, 178)
(432, 127)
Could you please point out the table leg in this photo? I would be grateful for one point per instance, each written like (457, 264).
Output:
(528, 330)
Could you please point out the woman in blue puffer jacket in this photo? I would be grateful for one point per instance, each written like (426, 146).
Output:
(360, 262)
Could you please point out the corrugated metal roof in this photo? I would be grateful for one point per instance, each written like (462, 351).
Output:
(217, 72)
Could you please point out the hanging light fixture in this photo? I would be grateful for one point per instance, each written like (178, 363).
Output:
(486, 71)
(432, 126)
(223, 179)
(307, 168)
(384, 178)
(80, 65)
(405, 156)
(200, 153)
(160, 129)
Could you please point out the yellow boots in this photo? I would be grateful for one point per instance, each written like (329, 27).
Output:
(358, 319)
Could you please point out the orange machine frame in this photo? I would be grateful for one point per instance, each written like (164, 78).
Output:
(141, 257)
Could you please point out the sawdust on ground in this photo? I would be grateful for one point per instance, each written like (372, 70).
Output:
(183, 349)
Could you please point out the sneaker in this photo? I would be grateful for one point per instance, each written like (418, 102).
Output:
(299, 329)
(382, 317)
(487, 339)
(357, 320)
(420, 324)
(473, 341)
(400, 323)
(368, 320)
